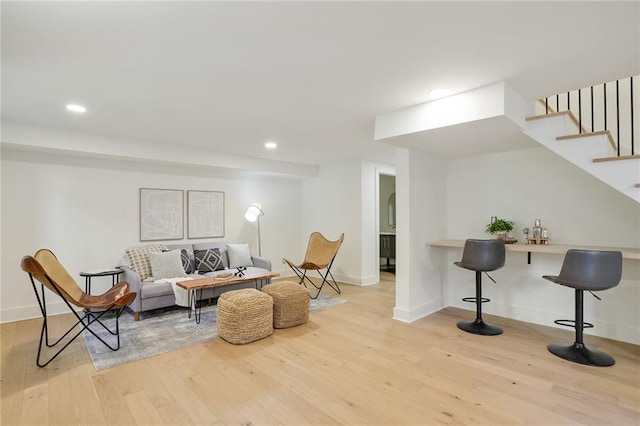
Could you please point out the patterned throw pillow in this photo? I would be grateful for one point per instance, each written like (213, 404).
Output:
(139, 259)
(208, 260)
(186, 261)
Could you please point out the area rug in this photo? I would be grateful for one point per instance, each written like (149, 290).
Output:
(163, 330)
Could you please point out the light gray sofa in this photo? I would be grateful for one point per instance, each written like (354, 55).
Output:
(151, 295)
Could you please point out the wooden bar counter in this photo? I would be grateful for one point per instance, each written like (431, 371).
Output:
(627, 253)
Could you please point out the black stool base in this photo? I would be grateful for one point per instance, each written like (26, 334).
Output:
(479, 327)
(581, 354)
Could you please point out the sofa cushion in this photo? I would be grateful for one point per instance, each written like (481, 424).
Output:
(166, 264)
(150, 289)
(208, 260)
(239, 255)
(139, 258)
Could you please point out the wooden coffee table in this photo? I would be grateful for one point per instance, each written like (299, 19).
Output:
(195, 287)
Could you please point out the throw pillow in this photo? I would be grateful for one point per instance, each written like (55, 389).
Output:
(166, 265)
(186, 261)
(239, 255)
(208, 260)
(139, 259)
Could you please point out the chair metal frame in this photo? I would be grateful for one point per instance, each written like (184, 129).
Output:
(119, 294)
(308, 265)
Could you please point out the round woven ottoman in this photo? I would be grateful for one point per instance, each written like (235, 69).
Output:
(290, 303)
(245, 316)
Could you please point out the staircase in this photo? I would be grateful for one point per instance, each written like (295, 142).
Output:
(596, 152)
(491, 119)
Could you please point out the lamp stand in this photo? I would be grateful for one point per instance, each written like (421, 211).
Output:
(259, 245)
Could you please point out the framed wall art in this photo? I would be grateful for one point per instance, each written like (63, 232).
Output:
(161, 214)
(205, 214)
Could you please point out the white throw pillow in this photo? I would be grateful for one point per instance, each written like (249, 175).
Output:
(167, 264)
(239, 255)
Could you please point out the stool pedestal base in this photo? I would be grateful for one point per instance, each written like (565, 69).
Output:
(478, 326)
(579, 353)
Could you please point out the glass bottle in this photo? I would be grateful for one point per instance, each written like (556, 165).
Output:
(537, 231)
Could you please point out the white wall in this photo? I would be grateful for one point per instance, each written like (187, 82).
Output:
(575, 207)
(331, 206)
(86, 211)
(344, 198)
(421, 183)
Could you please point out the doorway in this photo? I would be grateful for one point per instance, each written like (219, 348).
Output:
(387, 225)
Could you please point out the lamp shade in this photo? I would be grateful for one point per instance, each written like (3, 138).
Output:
(253, 212)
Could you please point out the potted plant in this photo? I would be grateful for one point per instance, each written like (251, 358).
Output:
(500, 227)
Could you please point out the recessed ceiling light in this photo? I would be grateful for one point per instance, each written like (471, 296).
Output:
(270, 145)
(439, 93)
(76, 108)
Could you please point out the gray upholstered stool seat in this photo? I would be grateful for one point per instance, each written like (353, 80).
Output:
(290, 303)
(245, 315)
(481, 256)
(590, 270)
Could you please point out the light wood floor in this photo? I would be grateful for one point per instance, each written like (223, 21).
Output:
(351, 364)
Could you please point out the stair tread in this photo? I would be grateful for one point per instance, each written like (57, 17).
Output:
(551, 114)
(622, 157)
(589, 134)
(570, 113)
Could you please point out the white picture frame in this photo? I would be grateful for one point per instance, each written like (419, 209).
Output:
(205, 214)
(161, 214)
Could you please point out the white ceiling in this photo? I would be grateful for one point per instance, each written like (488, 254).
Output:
(311, 76)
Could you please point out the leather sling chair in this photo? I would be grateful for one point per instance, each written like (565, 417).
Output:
(46, 269)
(320, 255)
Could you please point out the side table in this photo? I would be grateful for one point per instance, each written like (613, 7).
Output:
(114, 273)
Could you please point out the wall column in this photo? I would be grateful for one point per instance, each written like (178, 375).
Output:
(421, 217)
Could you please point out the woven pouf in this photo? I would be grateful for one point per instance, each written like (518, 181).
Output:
(290, 303)
(245, 316)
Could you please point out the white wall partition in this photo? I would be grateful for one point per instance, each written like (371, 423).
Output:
(331, 205)
(343, 198)
(421, 184)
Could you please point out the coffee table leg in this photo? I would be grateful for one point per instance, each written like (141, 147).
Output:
(197, 309)
(189, 297)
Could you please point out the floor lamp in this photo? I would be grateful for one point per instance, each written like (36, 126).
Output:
(252, 215)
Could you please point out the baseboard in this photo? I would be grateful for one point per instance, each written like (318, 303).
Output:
(30, 312)
(412, 315)
(340, 278)
(620, 332)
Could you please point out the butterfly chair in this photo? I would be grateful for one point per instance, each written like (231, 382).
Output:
(46, 269)
(320, 255)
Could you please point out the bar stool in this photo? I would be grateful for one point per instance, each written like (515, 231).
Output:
(590, 270)
(481, 256)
